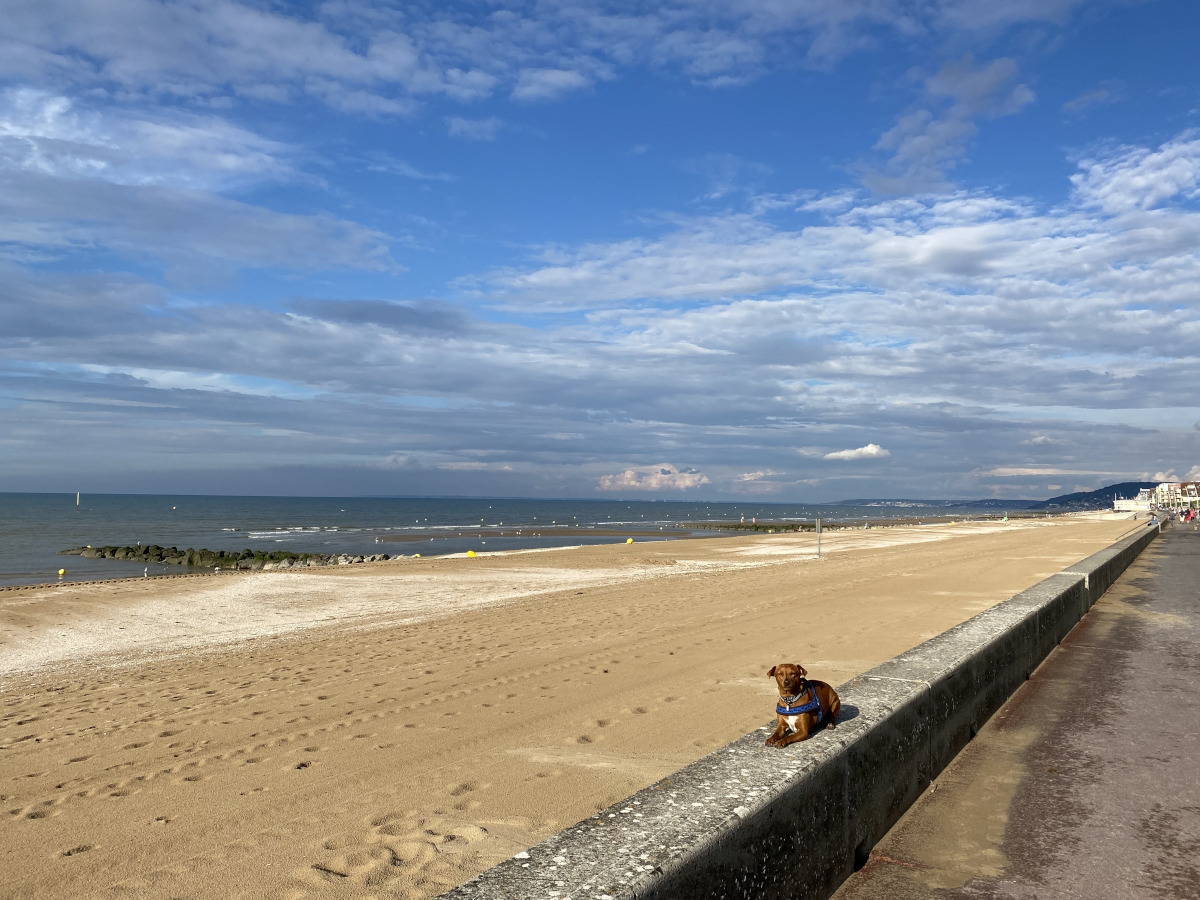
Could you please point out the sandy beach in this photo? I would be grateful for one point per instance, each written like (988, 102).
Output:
(392, 729)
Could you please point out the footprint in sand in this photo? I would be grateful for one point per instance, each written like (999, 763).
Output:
(464, 790)
(407, 854)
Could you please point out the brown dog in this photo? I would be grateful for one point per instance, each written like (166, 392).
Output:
(804, 706)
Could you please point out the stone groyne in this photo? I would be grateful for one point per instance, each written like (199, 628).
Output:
(220, 559)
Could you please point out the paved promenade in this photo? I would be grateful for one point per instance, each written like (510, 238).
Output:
(1087, 783)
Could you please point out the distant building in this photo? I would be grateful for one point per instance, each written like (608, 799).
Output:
(1143, 502)
(1168, 495)
(1177, 495)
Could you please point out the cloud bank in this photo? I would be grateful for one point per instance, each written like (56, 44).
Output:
(971, 327)
(381, 60)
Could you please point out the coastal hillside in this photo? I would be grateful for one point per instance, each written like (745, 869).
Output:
(1097, 499)
(1101, 498)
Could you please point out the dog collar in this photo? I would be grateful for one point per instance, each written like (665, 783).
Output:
(790, 706)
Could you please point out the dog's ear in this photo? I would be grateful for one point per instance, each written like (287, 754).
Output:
(803, 671)
(771, 674)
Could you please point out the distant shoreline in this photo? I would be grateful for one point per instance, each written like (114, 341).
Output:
(675, 530)
(864, 521)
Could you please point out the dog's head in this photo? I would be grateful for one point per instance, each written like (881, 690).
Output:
(789, 677)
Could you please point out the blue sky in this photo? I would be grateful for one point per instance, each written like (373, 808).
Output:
(802, 250)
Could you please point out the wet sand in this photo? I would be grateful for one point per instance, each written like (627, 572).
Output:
(390, 730)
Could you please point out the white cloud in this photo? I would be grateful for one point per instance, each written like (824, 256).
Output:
(474, 129)
(967, 283)
(378, 60)
(548, 84)
(870, 451)
(47, 134)
(213, 48)
(1168, 475)
(1138, 178)
(663, 477)
(1028, 471)
(1193, 474)
(757, 476)
(147, 185)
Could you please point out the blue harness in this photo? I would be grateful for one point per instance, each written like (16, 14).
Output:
(784, 707)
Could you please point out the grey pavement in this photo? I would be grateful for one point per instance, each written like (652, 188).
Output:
(1086, 784)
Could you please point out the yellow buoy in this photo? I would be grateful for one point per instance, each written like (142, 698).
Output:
(471, 553)
(416, 556)
(62, 572)
(629, 540)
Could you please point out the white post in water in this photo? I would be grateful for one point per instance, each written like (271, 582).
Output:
(77, 499)
(818, 538)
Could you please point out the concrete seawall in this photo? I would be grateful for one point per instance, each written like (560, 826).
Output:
(752, 822)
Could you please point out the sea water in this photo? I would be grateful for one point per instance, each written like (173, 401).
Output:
(35, 527)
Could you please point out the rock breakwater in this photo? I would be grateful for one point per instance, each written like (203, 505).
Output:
(220, 559)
